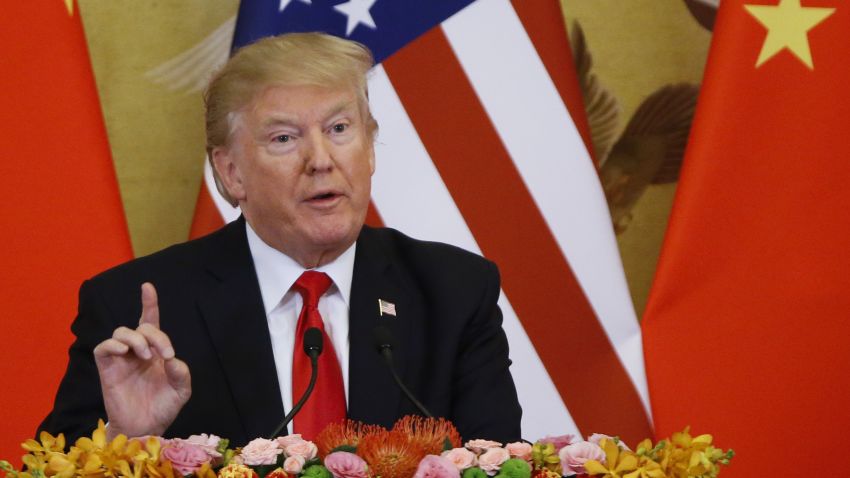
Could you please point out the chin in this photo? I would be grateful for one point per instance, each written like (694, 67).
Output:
(336, 235)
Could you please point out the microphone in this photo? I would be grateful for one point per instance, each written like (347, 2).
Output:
(313, 346)
(384, 344)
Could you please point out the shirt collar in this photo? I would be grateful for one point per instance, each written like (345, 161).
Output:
(277, 272)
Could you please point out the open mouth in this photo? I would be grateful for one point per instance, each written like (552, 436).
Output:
(324, 198)
(320, 197)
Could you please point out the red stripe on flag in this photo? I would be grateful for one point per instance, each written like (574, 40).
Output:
(373, 218)
(502, 216)
(207, 216)
(550, 40)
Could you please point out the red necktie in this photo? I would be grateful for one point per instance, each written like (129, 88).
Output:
(327, 402)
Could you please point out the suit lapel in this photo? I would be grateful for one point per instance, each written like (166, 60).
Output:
(232, 307)
(373, 396)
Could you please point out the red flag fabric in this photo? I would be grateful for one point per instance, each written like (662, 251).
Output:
(64, 221)
(746, 333)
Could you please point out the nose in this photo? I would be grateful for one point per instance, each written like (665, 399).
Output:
(318, 156)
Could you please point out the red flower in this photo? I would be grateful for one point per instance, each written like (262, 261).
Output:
(429, 433)
(390, 454)
(348, 432)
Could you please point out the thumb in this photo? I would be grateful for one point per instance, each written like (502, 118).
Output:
(150, 305)
(178, 377)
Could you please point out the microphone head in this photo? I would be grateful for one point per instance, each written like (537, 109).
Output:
(313, 341)
(383, 338)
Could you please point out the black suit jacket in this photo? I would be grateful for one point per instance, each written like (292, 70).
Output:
(451, 350)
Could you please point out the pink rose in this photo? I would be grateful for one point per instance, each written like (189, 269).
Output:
(559, 441)
(519, 450)
(491, 460)
(287, 440)
(461, 457)
(260, 451)
(597, 438)
(433, 466)
(293, 464)
(303, 448)
(343, 464)
(574, 456)
(480, 446)
(185, 457)
(209, 443)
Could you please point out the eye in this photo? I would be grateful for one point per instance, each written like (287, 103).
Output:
(339, 128)
(282, 138)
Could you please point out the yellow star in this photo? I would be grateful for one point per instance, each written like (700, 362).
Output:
(69, 4)
(788, 25)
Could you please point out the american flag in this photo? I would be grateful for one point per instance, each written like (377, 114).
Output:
(477, 147)
(385, 307)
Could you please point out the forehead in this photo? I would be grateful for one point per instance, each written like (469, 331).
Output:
(303, 103)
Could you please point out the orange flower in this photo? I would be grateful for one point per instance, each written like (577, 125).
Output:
(348, 432)
(390, 454)
(429, 433)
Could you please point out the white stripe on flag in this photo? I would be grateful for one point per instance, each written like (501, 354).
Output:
(410, 195)
(526, 109)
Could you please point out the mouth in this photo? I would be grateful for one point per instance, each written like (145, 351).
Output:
(324, 198)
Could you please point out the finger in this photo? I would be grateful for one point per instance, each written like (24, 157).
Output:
(110, 347)
(135, 340)
(150, 305)
(157, 339)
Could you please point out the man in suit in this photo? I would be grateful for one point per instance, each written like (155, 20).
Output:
(290, 137)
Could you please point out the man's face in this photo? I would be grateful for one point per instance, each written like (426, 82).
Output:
(300, 162)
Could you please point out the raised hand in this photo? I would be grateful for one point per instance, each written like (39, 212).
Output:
(144, 385)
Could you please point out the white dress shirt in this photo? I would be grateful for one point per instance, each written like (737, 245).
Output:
(277, 273)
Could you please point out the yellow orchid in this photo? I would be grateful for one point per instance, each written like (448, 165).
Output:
(61, 465)
(618, 463)
(97, 440)
(159, 470)
(48, 443)
(35, 464)
(544, 456)
(205, 471)
(647, 469)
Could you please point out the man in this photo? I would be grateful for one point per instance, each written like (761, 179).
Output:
(290, 137)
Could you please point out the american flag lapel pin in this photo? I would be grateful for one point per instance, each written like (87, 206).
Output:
(386, 308)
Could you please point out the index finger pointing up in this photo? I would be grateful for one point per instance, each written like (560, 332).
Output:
(150, 306)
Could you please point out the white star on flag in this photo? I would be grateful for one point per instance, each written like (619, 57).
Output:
(284, 3)
(357, 12)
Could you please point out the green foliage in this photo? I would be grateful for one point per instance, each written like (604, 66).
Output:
(316, 471)
(474, 472)
(515, 468)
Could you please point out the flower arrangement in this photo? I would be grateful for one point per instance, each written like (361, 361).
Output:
(414, 448)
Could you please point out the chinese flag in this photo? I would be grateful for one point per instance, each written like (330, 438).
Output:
(747, 331)
(63, 220)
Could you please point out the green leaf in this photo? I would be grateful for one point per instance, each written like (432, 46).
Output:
(348, 448)
(447, 444)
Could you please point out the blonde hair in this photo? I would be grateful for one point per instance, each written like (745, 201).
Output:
(292, 59)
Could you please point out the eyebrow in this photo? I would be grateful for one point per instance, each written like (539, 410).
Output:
(288, 120)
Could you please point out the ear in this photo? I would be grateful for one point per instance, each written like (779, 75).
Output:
(226, 165)
(372, 158)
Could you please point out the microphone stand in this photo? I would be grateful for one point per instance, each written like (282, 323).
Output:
(313, 348)
(383, 339)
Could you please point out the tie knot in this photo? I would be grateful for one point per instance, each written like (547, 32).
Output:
(312, 285)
